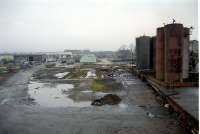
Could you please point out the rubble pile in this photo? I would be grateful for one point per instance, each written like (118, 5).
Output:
(109, 99)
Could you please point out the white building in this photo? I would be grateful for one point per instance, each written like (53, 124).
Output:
(62, 57)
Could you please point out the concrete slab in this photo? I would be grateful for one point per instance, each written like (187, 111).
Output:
(187, 98)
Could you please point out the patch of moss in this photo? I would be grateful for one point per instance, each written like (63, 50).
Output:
(98, 86)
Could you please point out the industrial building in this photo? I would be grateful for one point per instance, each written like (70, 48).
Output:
(194, 46)
(194, 56)
(88, 59)
(172, 53)
(62, 57)
(30, 58)
(6, 58)
(144, 52)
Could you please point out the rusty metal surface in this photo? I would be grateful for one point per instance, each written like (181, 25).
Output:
(172, 55)
(173, 51)
(160, 54)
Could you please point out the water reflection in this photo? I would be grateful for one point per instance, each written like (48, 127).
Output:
(53, 95)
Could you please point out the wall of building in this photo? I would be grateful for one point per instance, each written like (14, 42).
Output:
(21, 58)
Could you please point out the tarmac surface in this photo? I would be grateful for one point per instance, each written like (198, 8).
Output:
(26, 109)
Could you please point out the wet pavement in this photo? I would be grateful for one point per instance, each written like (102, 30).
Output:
(187, 96)
(35, 106)
(53, 95)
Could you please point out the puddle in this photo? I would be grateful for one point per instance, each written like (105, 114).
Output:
(87, 91)
(51, 95)
(61, 75)
(123, 106)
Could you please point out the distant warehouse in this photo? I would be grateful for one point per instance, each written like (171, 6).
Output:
(30, 58)
(88, 59)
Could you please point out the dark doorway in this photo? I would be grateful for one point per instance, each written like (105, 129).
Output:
(30, 58)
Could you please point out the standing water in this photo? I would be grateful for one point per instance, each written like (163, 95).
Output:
(53, 95)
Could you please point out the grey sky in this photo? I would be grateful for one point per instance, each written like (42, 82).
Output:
(55, 25)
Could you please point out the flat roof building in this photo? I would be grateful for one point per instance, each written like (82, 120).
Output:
(88, 58)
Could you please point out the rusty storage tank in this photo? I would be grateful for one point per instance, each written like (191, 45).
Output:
(173, 36)
(185, 53)
(138, 58)
(143, 52)
(159, 54)
(153, 53)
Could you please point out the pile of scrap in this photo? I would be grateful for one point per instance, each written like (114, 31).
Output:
(50, 65)
(109, 99)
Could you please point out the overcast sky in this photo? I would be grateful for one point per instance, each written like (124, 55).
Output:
(55, 25)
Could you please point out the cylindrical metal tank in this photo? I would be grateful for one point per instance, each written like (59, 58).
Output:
(174, 37)
(185, 54)
(153, 53)
(143, 52)
(159, 56)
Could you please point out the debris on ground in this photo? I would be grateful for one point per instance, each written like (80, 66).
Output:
(77, 74)
(166, 105)
(150, 115)
(50, 65)
(109, 99)
(61, 75)
(91, 74)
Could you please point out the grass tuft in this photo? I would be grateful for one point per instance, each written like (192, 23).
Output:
(98, 86)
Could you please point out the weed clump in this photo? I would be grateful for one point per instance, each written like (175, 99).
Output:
(98, 86)
(77, 74)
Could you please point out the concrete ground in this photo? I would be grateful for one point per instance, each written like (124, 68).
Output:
(188, 98)
(25, 110)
